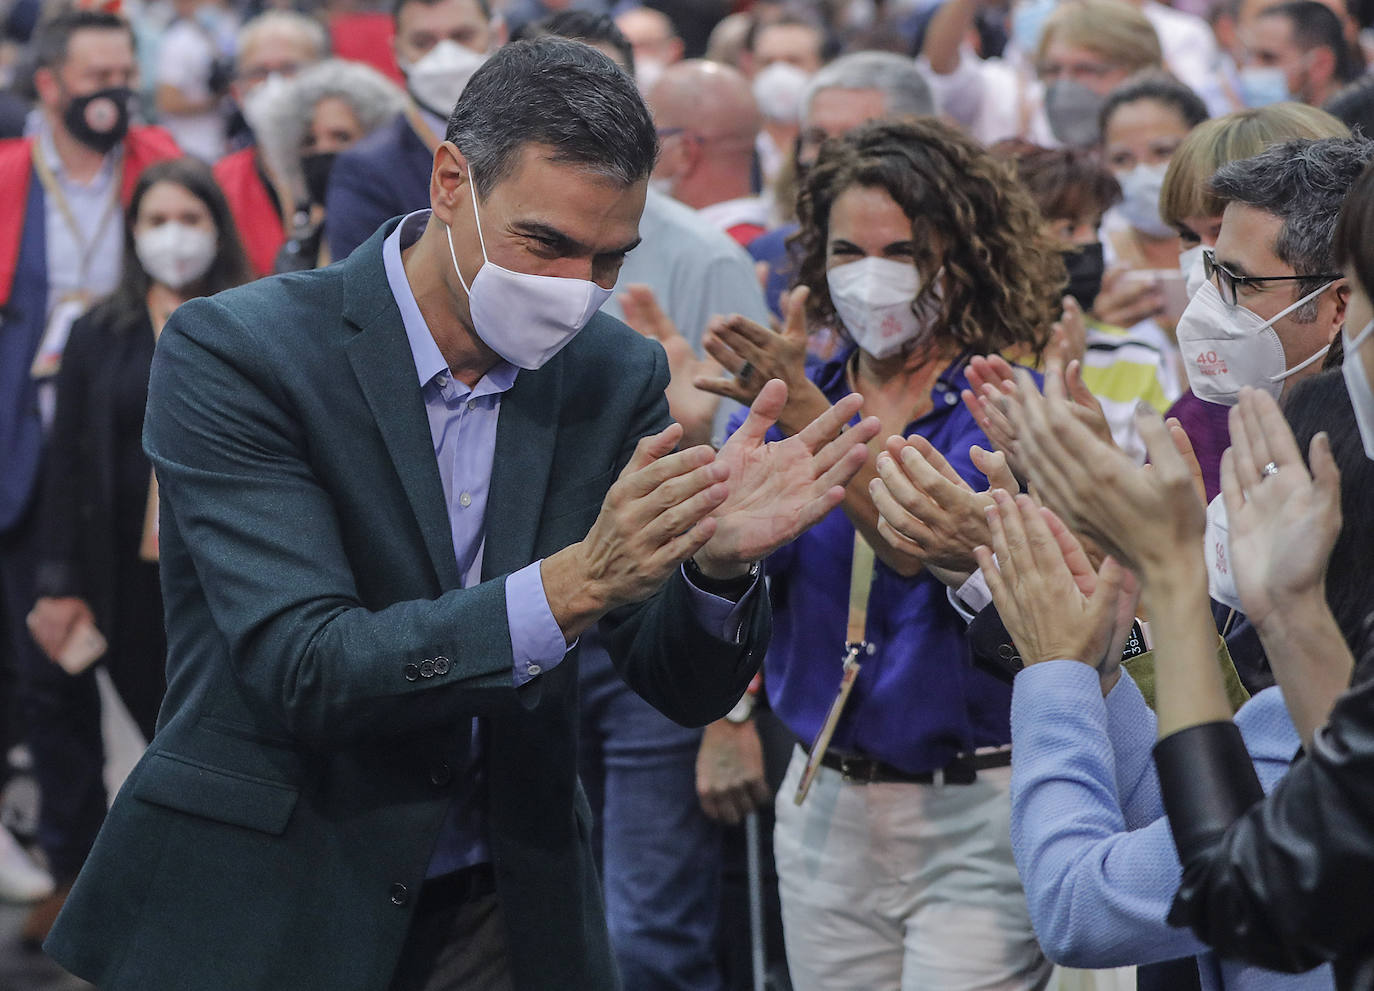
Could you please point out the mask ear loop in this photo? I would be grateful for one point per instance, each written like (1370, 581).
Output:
(477, 218)
(1315, 356)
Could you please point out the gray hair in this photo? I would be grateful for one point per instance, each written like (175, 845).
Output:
(563, 94)
(905, 90)
(1302, 182)
(306, 28)
(373, 98)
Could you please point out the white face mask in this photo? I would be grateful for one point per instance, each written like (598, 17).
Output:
(1227, 347)
(526, 319)
(778, 90)
(1140, 188)
(436, 80)
(873, 297)
(174, 254)
(259, 104)
(1221, 581)
(1194, 271)
(1262, 85)
(1357, 384)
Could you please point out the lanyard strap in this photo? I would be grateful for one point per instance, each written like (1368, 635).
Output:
(53, 189)
(860, 588)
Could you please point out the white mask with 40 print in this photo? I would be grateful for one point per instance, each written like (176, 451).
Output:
(873, 298)
(1357, 384)
(1140, 188)
(437, 78)
(1227, 347)
(525, 318)
(1221, 580)
(176, 254)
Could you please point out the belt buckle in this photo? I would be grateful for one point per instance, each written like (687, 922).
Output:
(849, 770)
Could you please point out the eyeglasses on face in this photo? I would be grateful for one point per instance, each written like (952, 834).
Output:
(1228, 282)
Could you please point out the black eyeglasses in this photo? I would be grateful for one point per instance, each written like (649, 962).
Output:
(1227, 282)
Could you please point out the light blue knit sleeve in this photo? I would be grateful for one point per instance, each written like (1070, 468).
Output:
(1098, 894)
(1132, 729)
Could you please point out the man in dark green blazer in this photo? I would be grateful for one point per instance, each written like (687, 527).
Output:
(364, 772)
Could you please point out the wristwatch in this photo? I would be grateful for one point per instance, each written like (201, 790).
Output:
(727, 588)
(743, 710)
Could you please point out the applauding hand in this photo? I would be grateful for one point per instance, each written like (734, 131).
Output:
(1283, 520)
(689, 406)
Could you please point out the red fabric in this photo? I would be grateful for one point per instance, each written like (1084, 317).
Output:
(744, 233)
(259, 223)
(366, 37)
(143, 147)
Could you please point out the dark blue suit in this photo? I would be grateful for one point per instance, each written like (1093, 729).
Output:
(384, 175)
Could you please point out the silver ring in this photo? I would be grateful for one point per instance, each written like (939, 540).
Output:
(1270, 470)
(744, 372)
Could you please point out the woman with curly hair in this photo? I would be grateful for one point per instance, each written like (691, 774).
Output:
(895, 870)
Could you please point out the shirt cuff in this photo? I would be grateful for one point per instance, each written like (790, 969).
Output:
(972, 597)
(536, 642)
(716, 614)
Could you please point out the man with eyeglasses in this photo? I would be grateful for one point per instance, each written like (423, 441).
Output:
(273, 47)
(1274, 299)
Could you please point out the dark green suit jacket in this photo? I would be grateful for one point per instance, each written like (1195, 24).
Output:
(278, 829)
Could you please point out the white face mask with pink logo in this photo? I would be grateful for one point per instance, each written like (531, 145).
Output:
(873, 298)
(1221, 581)
(1227, 347)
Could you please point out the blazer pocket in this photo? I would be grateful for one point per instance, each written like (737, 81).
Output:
(231, 797)
(579, 497)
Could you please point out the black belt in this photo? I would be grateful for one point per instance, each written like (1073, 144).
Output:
(457, 887)
(962, 770)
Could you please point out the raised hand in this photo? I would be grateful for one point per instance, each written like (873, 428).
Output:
(1069, 337)
(1283, 520)
(779, 489)
(1124, 302)
(1145, 517)
(689, 406)
(753, 355)
(1037, 595)
(925, 509)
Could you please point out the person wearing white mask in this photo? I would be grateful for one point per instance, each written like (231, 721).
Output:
(895, 870)
(438, 44)
(655, 42)
(98, 551)
(273, 47)
(396, 493)
(1143, 123)
(1295, 51)
(1188, 205)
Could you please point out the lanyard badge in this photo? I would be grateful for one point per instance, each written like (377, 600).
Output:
(856, 647)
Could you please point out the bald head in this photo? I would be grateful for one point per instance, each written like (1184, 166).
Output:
(707, 96)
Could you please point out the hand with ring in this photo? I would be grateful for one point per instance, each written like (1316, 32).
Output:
(1283, 519)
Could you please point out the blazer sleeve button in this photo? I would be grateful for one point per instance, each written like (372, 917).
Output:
(440, 774)
(412, 672)
(400, 894)
(426, 669)
(441, 665)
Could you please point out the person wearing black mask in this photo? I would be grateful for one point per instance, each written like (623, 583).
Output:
(1073, 190)
(61, 247)
(323, 111)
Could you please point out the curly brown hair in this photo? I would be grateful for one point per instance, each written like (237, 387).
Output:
(1002, 272)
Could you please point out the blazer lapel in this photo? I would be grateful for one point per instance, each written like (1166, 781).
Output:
(385, 369)
(526, 433)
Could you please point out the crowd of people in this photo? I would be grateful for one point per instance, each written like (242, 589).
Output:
(1017, 362)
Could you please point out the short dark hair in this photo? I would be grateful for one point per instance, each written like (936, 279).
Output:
(1304, 184)
(555, 92)
(827, 46)
(126, 306)
(1315, 25)
(1353, 242)
(585, 26)
(483, 5)
(1156, 87)
(53, 39)
(1353, 106)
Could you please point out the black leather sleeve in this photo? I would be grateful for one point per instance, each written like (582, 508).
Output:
(1286, 884)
